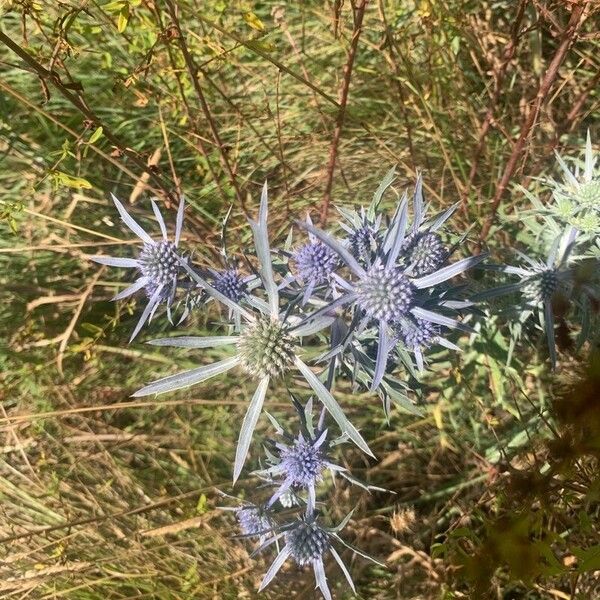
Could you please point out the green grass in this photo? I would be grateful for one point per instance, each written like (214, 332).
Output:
(105, 497)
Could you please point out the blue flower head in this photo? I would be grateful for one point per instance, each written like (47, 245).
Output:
(299, 463)
(407, 281)
(231, 284)
(159, 263)
(253, 520)
(307, 542)
(538, 282)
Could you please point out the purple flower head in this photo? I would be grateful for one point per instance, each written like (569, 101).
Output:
(307, 542)
(159, 263)
(364, 241)
(385, 294)
(541, 286)
(231, 284)
(424, 252)
(253, 520)
(300, 465)
(315, 262)
(418, 333)
(303, 462)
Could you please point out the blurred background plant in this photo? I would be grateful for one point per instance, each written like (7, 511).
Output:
(107, 497)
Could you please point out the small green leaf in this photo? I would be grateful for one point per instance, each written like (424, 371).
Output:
(64, 179)
(261, 45)
(95, 136)
(115, 6)
(123, 18)
(253, 21)
(202, 505)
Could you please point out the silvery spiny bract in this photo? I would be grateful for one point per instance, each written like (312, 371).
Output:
(577, 197)
(297, 464)
(306, 543)
(539, 282)
(268, 347)
(402, 283)
(159, 263)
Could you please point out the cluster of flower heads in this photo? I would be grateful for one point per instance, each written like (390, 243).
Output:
(384, 293)
(557, 279)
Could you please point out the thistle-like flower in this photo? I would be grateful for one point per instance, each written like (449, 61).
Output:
(231, 284)
(577, 198)
(313, 265)
(298, 463)
(159, 263)
(364, 238)
(425, 252)
(254, 521)
(393, 289)
(307, 542)
(538, 283)
(268, 347)
(417, 335)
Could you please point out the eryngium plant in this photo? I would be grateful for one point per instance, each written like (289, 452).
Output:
(404, 286)
(297, 464)
(577, 197)
(306, 543)
(159, 263)
(268, 347)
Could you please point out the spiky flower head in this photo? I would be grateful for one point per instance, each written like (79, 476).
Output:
(231, 284)
(315, 262)
(577, 197)
(385, 293)
(364, 241)
(159, 262)
(303, 462)
(307, 542)
(253, 520)
(588, 194)
(266, 348)
(540, 287)
(418, 333)
(424, 252)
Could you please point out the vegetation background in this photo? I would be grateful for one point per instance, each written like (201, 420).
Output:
(496, 486)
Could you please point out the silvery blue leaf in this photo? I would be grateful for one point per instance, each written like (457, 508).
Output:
(159, 218)
(274, 568)
(113, 261)
(148, 310)
(186, 341)
(333, 407)
(321, 579)
(248, 426)
(179, 221)
(130, 222)
(342, 566)
(448, 272)
(263, 251)
(433, 317)
(187, 378)
(132, 289)
(549, 326)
